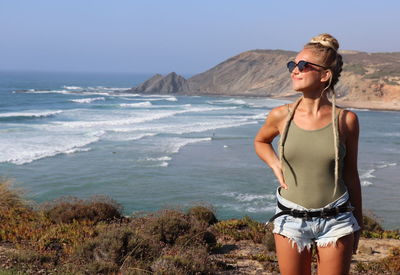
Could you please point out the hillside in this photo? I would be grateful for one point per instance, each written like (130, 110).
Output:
(368, 80)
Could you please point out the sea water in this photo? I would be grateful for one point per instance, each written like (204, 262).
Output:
(82, 134)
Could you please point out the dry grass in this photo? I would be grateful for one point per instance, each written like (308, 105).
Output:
(388, 265)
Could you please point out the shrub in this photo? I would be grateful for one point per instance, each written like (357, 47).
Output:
(184, 261)
(19, 222)
(168, 225)
(371, 224)
(243, 229)
(269, 240)
(96, 209)
(355, 68)
(10, 198)
(202, 213)
(118, 246)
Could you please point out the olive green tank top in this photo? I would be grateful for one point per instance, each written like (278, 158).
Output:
(309, 167)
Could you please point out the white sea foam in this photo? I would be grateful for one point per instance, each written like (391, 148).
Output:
(75, 150)
(180, 128)
(252, 209)
(31, 148)
(260, 116)
(145, 104)
(152, 99)
(139, 136)
(261, 208)
(208, 109)
(245, 197)
(174, 145)
(254, 103)
(160, 161)
(76, 91)
(228, 101)
(266, 103)
(32, 113)
(23, 91)
(386, 164)
(157, 162)
(72, 87)
(163, 158)
(126, 96)
(366, 183)
(115, 89)
(117, 121)
(50, 92)
(87, 100)
(127, 136)
(207, 126)
(139, 118)
(252, 203)
(84, 93)
(368, 174)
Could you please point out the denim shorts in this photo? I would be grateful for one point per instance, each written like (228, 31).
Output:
(322, 231)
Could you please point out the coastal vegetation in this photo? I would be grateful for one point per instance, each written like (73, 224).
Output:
(92, 236)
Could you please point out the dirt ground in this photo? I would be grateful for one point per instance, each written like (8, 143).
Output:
(243, 257)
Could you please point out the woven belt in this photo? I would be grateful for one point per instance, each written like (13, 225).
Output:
(324, 213)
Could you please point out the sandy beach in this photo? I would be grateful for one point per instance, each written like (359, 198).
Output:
(372, 105)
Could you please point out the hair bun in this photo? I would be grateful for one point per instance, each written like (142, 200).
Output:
(326, 40)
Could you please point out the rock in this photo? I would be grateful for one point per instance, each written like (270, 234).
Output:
(365, 250)
(158, 84)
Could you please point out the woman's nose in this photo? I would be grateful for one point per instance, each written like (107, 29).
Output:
(296, 70)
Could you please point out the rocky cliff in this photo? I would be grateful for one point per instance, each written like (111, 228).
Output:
(158, 84)
(367, 78)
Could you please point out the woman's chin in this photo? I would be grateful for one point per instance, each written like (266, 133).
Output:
(298, 89)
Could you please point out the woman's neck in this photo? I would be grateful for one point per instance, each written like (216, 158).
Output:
(312, 104)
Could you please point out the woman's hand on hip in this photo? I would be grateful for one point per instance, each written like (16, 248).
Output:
(279, 175)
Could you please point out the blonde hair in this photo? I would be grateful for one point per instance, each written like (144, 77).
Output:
(326, 46)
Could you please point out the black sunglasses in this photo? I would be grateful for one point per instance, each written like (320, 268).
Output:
(301, 65)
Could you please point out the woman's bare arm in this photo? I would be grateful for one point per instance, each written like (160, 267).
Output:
(263, 141)
(350, 170)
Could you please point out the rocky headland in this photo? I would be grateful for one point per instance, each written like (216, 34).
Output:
(368, 80)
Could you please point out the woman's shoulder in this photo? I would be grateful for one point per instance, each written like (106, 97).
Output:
(279, 113)
(347, 116)
(348, 122)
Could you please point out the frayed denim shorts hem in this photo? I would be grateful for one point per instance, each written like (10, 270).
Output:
(321, 231)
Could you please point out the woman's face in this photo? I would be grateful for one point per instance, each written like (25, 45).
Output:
(312, 78)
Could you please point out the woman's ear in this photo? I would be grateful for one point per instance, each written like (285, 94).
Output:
(326, 76)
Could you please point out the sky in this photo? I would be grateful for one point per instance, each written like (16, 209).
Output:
(184, 36)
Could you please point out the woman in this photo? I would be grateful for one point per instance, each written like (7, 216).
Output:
(319, 197)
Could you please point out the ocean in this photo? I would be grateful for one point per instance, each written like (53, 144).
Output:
(80, 134)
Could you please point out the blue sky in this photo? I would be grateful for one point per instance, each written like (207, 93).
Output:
(185, 36)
